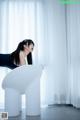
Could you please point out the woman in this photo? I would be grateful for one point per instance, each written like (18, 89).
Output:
(21, 56)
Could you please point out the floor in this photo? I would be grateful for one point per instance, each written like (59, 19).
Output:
(53, 112)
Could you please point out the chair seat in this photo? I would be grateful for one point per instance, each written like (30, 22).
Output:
(21, 77)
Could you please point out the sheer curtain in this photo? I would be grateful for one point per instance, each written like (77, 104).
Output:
(73, 37)
(47, 23)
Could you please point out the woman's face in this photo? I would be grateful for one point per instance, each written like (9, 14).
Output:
(29, 49)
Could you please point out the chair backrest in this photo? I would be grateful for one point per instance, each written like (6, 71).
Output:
(21, 77)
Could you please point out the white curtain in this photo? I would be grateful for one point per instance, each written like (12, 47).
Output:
(47, 23)
(73, 38)
(56, 89)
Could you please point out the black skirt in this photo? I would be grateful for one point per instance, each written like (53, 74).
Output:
(5, 61)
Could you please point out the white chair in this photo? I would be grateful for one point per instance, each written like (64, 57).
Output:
(23, 80)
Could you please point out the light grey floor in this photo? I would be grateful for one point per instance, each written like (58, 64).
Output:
(54, 112)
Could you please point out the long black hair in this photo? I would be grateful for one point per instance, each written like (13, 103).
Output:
(15, 54)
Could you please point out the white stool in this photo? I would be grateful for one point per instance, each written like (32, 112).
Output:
(23, 80)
